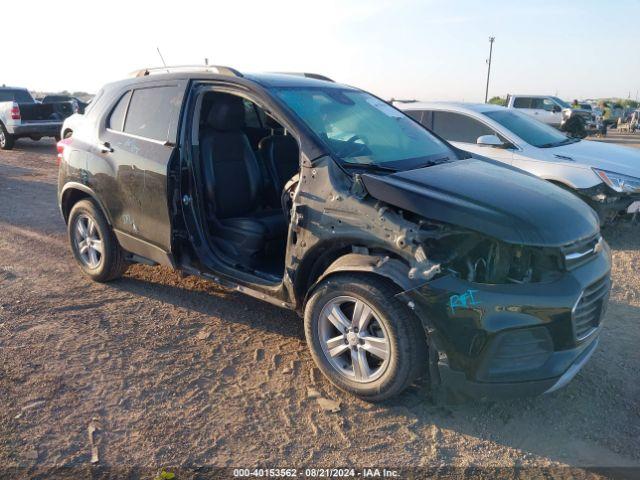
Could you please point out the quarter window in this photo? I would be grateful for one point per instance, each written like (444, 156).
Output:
(116, 119)
(151, 112)
(455, 127)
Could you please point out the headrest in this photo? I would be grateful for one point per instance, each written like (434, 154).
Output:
(226, 112)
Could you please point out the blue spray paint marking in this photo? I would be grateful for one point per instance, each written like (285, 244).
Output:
(464, 300)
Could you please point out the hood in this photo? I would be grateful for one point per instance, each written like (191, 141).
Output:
(497, 201)
(605, 156)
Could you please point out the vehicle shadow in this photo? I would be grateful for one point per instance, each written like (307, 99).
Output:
(207, 298)
(624, 234)
(45, 145)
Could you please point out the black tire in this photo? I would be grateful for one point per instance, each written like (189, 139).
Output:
(407, 359)
(111, 264)
(6, 139)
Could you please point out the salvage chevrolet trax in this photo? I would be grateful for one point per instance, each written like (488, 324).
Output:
(405, 255)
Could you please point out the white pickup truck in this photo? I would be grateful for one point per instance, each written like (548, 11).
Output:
(555, 112)
(22, 116)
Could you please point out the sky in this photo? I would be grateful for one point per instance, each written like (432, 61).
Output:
(427, 50)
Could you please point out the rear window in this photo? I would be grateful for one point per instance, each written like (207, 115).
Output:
(522, 102)
(151, 112)
(53, 99)
(17, 95)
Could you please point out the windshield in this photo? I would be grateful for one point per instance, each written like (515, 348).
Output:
(531, 131)
(360, 129)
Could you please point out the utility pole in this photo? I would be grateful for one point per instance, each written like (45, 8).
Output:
(486, 93)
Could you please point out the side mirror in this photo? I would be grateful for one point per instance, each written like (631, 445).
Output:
(489, 141)
(556, 109)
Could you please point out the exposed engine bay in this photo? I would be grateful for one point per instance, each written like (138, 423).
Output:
(477, 258)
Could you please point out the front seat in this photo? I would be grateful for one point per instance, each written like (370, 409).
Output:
(281, 154)
(233, 185)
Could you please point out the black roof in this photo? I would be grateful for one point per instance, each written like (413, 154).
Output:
(267, 80)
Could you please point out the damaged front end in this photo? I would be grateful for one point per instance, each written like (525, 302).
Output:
(507, 320)
(516, 302)
(608, 203)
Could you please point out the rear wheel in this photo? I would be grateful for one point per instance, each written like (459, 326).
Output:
(93, 243)
(6, 139)
(362, 338)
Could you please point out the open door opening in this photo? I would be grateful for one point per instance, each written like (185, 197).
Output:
(245, 159)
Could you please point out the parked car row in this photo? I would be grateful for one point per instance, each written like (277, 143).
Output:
(605, 176)
(578, 122)
(405, 248)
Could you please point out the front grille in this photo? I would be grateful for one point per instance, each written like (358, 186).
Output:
(589, 310)
(580, 252)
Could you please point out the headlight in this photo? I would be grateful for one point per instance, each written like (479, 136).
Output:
(619, 182)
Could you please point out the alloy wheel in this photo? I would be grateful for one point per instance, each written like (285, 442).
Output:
(353, 339)
(88, 241)
(3, 138)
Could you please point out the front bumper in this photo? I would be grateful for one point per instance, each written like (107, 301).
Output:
(457, 381)
(40, 129)
(501, 341)
(607, 203)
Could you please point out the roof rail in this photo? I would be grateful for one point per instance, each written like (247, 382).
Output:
(219, 69)
(316, 76)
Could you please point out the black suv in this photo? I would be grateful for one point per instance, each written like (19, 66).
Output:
(404, 254)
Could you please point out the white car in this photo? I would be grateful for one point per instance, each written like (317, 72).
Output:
(606, 176)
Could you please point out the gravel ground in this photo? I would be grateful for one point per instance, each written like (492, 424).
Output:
(178, 372)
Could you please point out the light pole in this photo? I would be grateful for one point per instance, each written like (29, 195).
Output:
(486, 93)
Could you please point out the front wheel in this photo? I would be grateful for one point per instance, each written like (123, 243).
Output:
(363, 339)
(6, 139)
(93, 243)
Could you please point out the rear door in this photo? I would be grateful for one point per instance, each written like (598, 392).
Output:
(527, 105)
(141, 136)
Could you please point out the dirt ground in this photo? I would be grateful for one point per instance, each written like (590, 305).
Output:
(176, 372)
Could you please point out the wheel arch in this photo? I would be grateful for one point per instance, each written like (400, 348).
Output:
(341, 259)
(72, 193)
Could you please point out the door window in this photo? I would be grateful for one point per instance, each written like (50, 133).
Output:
(415, 114)
(548, 104)
(253, 117)
(152, 112)
(456, 127)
